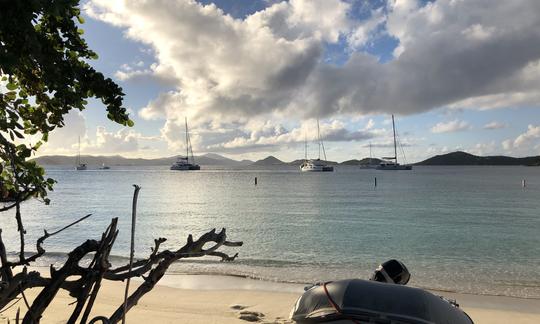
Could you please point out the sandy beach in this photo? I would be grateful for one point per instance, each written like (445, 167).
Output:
(206, 299)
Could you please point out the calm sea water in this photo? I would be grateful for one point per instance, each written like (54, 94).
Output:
(465, 229)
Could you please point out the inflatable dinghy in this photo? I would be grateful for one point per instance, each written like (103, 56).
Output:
(362, 301)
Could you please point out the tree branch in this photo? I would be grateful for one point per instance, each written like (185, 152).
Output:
(39, 244)
(190, 249)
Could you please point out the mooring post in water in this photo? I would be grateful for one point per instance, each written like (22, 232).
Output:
(523, 183)
(255, 180)
(375, 182)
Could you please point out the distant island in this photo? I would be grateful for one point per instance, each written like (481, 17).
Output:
(463, 158)
(212, 159)
(117, 160)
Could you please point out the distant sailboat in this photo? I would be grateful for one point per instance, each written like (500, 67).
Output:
(183, 163)
(316, 165)
(80, 166)
(370, 165)
(393, 165)
(104, 167)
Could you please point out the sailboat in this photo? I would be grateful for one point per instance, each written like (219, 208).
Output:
(370, 165)
(80, 166)
(389, 164)
(104, 167)
(183, 163)
(317, 165)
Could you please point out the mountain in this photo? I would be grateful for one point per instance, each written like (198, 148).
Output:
(224, 160)
(269, 160)
(296, 162)
(364, 161)
(463, 158)
(116, 160)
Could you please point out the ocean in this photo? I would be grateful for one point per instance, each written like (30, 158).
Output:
(463, 229)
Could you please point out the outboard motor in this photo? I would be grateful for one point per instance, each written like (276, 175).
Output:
(392, 271)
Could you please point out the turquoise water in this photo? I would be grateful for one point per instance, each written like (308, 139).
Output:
(465, 229)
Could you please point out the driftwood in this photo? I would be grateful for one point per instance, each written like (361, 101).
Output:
(85, 288)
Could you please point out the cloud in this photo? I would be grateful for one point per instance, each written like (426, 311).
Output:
(494, 125)
(265, 135)
(270, 65)
(524, 143)
(482, 149)
(507, 144)
(450, 126)
(64, 140)
(271, 61)
(532, 133)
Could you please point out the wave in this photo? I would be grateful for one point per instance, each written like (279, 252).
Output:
(290, 272)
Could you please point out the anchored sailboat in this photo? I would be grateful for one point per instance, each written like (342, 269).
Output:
(80, 166)
(183, 163)
(370, 165)
(389, 164)
(317, 165)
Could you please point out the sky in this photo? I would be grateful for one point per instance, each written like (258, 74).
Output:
(253, 77)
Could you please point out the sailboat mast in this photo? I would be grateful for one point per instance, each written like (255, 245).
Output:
(79, 152)
(319, 137)
(395, 146)
(187, 144)
(305, 146)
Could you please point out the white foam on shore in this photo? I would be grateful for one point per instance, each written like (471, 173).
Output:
(217, 282)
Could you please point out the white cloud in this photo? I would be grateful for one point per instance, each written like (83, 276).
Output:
(478, 32)
(483, 149)
(532, 133)
(64, 140)
(526, 143)
(270, 65)
(364, 31)
(450, 126)
(507, 144)
(261, 64)
(495, 125)
(262, 135)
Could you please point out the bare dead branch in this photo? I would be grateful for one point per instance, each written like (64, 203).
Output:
(190, 249)
(39, 244)
(132, 247)
(69, 268)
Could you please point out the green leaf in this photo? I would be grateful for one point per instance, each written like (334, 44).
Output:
(130, 123)
(11, 86)
(80, 19)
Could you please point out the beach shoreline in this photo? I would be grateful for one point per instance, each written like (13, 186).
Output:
(209, 299)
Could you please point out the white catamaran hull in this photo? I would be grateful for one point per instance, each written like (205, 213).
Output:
(313, 166)
(185, 167)
(317, 169)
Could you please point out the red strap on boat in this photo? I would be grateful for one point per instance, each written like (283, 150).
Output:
(333, 303)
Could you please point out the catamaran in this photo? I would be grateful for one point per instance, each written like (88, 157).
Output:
(389, 164)
(183, 163)
(80, 166)
(316, 165)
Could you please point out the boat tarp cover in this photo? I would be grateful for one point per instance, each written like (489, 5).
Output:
(369, 299)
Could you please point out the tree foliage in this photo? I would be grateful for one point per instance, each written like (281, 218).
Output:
(44, 74)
